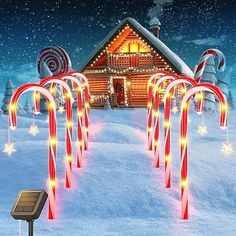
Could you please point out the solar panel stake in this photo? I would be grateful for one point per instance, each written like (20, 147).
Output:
(31, 227)
(28, 207)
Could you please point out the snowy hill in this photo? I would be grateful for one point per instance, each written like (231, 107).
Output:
(118, 192)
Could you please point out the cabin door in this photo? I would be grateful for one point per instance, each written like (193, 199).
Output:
(118, 85)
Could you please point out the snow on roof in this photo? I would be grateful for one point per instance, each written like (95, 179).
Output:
(157, 43)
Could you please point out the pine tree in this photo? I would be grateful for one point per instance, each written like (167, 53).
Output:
(9, 90)
(210, 78)
(27, 107)
(230, 101)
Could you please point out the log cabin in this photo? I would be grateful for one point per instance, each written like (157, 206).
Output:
(120, 66)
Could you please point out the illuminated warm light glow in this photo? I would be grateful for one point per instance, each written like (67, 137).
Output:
(156, 114)
(166, 124)
(167, 158)
(80, 143)
(34, 130)
(52, 105)
(9, 148)
(36, 95)
(52, 141)
(183, 141)
(69, 158)
(227, 149)
(167, 95)
(202, 130)
(12, 106)
(87, 105)
(149, 129)
(86, 130)
(224, 106)
(61, 109)
(156, 143)
(184, 105)
(183, 90)
(128, 83)
(69, 124)
(199, 95)
(184, 183)
(52, 183)
(52, 90)
(149, 105)
(80, 114)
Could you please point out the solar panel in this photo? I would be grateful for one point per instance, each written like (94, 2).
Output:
(29, 204)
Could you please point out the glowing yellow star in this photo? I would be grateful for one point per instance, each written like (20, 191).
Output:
(61, 109)
(34, 130)
(202, 130)
(9, 148)
(227, 149)
(175, 109)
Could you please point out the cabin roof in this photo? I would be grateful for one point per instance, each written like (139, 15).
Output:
(156, 43)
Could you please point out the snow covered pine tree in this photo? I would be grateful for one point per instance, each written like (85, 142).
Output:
(9, 90)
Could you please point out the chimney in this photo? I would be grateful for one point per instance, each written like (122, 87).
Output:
(155, 27)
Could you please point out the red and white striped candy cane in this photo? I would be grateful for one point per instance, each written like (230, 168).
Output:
(202, 62)
(78, 88)
(56, 59)
(85, 86)
(167, 128)
(52, 136)
(184, 140)
(69, 123)
(151, 83)
(157, 115)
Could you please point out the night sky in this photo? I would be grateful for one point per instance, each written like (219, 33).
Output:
(188, 27)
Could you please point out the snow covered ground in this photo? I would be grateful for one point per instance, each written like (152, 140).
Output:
(118, 192)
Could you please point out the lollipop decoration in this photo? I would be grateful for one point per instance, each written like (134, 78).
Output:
(184, 141)
(56, 59)
(202, 62)
(52, 134)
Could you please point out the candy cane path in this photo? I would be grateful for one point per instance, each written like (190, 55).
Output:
(118, 192)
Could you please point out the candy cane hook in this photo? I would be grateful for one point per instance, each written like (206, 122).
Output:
(184, 141)
(52, 137)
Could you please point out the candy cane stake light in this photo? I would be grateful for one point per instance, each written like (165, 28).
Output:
(52, 136)
(203, 60)
(167, 128)
(157, 115)
(85, 85)
(150, 87)
(69, 123)
(78, 88)
(184, 140)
